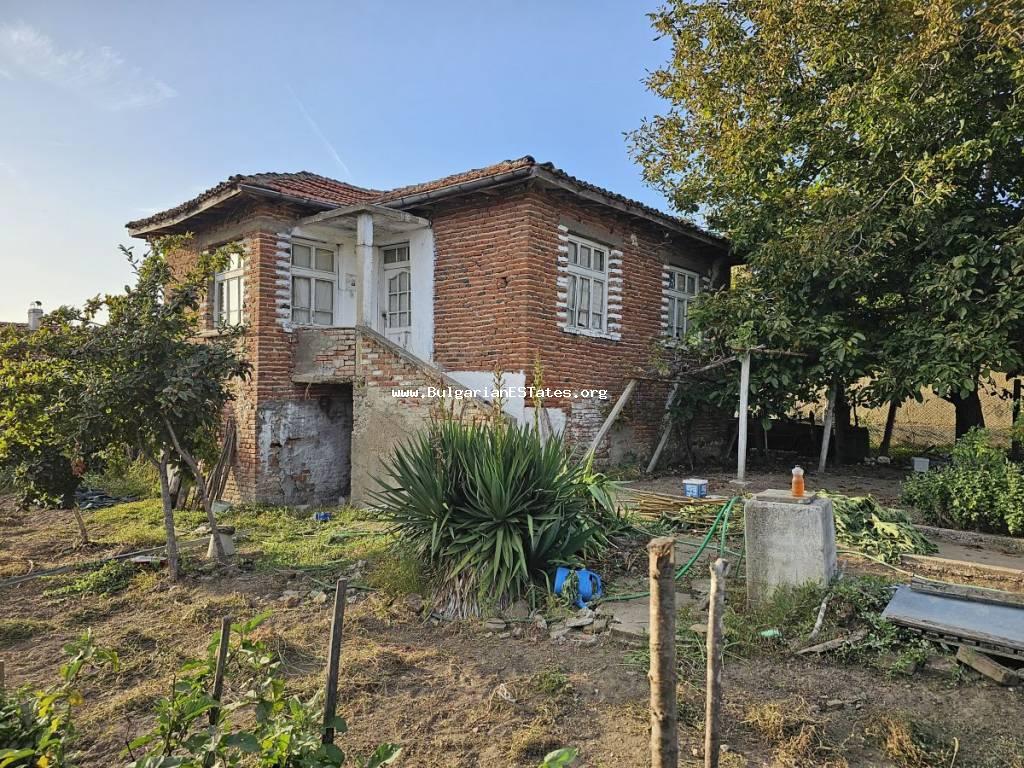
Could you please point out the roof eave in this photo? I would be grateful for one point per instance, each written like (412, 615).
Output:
(156, 226)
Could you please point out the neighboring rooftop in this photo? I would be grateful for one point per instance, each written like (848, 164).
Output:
(324, 193)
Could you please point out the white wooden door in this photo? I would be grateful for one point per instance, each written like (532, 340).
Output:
(396, 299)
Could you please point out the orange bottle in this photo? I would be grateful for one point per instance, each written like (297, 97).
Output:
(798, 482)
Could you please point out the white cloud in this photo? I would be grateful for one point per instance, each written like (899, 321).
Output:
(98, 73)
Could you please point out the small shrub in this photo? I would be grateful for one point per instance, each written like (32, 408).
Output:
(492, 509)
(980, 489)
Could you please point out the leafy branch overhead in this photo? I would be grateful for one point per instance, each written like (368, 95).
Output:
(868, 163)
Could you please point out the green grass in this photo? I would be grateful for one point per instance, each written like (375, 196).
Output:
(283, 537)
(12, 630)
(551, 682)
(108, 579)
(138, 524)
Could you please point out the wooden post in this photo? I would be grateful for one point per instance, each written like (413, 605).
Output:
(616, 410)
(222, 660)
(826, 435)
(333, 660)
(664, 737)
(713, 705)
(890, 425)
(741, 448)
(667, 432)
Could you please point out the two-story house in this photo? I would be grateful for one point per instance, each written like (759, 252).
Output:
(356, 301)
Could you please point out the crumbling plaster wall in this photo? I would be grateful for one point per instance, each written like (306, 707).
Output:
(305, 448)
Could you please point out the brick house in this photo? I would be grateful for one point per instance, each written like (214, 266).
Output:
(356, 300)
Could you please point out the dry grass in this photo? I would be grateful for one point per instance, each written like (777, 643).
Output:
(907, 745)
(797, 740)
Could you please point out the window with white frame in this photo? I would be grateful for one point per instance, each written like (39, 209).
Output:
(314, 281)
(229, 293)
(683, 286)
(587, 285)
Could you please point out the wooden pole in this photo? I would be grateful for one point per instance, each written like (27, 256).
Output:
(664, 736)
(667, 432)
(616, 410)
(713, 704)
(222, 660)
(741, 449)
(333, 660)
(826, 435)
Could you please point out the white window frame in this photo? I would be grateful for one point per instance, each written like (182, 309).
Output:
(315, 277)
(586, 287)
(226, 314)
(679, 300)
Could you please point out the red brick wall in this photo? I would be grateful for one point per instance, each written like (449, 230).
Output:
(496, 285)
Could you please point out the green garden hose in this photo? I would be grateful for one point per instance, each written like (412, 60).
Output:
(721, 522)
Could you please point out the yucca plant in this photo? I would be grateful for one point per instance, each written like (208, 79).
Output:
(491, 508)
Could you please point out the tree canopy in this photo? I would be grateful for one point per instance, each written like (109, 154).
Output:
(867, 160)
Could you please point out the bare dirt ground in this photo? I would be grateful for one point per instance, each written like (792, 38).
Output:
(882, 482)
(454, 694)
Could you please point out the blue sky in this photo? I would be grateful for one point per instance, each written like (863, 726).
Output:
(112, 111)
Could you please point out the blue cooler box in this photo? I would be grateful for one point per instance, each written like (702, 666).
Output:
(695, 487)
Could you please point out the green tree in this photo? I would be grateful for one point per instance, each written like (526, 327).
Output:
(150, 381)
(866, 159)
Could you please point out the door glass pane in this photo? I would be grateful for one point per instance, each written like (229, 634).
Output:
(403, 301)
(324, 260)
(300, 255)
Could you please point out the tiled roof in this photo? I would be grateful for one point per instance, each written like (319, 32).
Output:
(325, 191)
(303, 184)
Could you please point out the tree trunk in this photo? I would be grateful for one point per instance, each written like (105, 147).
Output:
(204, 497)
(890, 424)
(664, 736)
(968, 412)
(82, 531)
(173, 567)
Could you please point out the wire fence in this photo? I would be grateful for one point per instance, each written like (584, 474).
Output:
(932, 422)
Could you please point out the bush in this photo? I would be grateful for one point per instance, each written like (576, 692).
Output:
(980, 489)
(123, 476)
(491, 509)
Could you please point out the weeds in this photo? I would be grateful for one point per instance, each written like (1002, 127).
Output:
(108, 579)
(798, 740)
(551, 682)
(907, 744)
(12, 630)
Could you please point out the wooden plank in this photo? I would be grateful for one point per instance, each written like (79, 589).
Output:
(716, 652)
(663, 673)
(987, 666)
(826, 434)
(334, 661)
(613, 416)
(964, 592)
(741, 447)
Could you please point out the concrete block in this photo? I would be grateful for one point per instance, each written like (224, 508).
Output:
(788, 544)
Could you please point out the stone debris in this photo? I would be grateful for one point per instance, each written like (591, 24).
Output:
(495, 625)
(414, 602)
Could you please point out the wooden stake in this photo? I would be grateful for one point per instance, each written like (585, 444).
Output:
(713, 705)
(333, 660)
(664, 736)
(222, 661)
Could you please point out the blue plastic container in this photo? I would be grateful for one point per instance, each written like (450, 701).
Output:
(695, 487)
(322, 517)
(588, 584)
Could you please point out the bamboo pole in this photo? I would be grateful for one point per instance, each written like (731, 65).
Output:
(664, 736)
(333, 660)
(713, 704)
